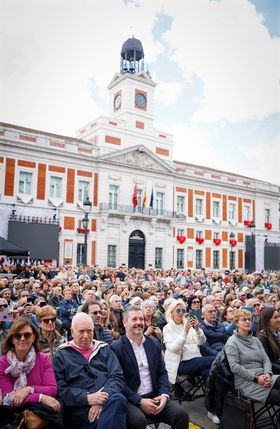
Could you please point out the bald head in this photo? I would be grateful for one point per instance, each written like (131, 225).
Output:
(82, 330)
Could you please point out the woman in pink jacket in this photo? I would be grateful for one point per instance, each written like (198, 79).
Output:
(26, 375)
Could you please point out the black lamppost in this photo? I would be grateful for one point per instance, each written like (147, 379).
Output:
(87, 206)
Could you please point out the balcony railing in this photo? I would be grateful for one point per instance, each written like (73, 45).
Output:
(122, 210)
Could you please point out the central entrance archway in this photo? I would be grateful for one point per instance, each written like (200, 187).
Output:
(136, 250)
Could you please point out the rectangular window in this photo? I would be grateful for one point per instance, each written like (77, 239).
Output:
(25, 183)
(199, 234)
(216, 259)
(159, 203)
(180, 258)
(216, 208)
(232, 211)
(267, 215)
(113, 197)
(112, 256)
(198, 259)
(180, 232)
(216, 235)
(231, 260)
(198, 206)
(180, 204)
(158, 257)
(83, 188)
(247, 212)
(55, 187)
(80, 253)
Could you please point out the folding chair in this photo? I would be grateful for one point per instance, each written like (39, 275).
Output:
(265, 415)
(188, 391)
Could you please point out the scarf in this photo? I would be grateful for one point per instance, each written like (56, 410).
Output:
(18, 370)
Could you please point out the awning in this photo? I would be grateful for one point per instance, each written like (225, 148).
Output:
(11, 249)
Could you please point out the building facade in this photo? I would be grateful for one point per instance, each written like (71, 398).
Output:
(148, 210)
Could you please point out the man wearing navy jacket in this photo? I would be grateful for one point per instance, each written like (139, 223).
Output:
(146, 389)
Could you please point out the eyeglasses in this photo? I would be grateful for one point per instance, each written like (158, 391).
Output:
(18, 336)
(50, 320)
(96, 312)
(3, 305)
(246, 319)
(180, 310)
(195, 302)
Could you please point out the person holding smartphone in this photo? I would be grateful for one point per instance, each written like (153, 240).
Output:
(182, 337)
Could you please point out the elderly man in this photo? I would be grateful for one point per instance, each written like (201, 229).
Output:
(116, 315)
(90, 380)
(147, 389)
(214, 331)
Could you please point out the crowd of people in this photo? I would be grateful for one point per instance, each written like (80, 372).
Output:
(95, 348)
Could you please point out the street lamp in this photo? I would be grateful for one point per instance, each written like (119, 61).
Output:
(87, 206)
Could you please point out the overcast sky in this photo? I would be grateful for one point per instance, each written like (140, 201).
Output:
(216, 63)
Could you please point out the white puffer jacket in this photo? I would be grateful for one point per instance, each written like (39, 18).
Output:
(179, 346)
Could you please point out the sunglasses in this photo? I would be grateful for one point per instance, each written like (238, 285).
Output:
(96, 312)
(27, 335)
(196, 302)
(50, 320)
(180, 310)
(3, 305)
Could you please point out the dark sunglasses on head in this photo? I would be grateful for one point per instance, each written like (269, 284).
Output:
(51, 319)
(27, 335)
(180, 310)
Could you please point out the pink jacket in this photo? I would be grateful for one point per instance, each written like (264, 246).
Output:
(41, 377)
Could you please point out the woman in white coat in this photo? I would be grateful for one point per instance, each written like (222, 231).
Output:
(182, 338)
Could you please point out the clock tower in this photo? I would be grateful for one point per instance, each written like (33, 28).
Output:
(132, 89)
(131, 118)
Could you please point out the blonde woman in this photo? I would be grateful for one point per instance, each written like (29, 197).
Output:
(182, 338)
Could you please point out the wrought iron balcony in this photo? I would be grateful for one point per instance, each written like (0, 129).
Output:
(142, 212)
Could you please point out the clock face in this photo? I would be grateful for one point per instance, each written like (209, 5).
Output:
(117, 101)
(140, 100)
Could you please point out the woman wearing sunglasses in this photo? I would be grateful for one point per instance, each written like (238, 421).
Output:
(182, 338)
(49, 338)
(26, 375)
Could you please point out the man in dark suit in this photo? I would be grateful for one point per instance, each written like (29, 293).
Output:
(146, 389)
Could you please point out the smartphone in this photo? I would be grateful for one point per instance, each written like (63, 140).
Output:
(196, 313)
(6, 316)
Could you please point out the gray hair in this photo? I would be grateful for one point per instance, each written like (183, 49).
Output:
(79, 317)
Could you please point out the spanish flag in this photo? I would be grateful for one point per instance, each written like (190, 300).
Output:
(134, 196)
(144, 199)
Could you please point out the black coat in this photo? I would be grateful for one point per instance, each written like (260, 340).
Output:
(220, 382)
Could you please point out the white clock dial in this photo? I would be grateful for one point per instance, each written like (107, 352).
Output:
(117, 101)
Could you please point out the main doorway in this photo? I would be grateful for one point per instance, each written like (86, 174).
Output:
(136, 251)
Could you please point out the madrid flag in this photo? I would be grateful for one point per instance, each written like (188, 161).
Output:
(134, 196)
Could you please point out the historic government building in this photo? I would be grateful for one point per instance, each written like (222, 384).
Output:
(143, 208)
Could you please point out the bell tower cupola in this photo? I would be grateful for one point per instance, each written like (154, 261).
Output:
(132, 56)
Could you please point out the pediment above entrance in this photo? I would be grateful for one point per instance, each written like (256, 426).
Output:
(139, 157)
